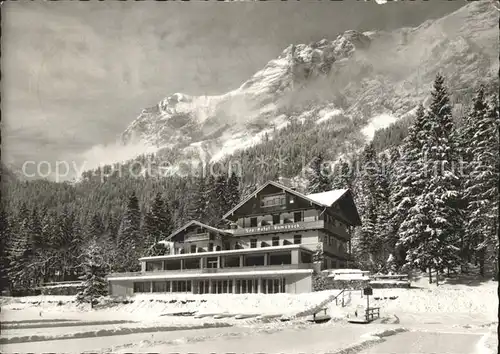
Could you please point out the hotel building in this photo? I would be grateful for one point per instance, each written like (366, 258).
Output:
(268, 248)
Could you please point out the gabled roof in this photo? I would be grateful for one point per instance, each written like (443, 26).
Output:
(324, 199)
(194, 222)
(273, 183)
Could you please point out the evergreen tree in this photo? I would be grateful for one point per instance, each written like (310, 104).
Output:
(158, 221)
(36, 230)
(211, 196)
(368, 245)
(318, 176)
(222, 198)
(197, 200)
(433, 243)
(129, 241)
(21, 272)
(343, 175)
(407, 184)
(4, 256)
(382, 230)
(95, 229)
(482, 184)
(233, 191)
(94, 272)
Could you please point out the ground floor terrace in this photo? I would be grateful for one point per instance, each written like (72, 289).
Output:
(257, 282)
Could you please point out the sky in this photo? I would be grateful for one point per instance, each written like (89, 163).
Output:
(75, 74)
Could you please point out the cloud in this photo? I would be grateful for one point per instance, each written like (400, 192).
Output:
(101, 155)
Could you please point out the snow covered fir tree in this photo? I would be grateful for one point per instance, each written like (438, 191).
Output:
(94, 270)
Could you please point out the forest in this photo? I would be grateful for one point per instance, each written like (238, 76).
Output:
(426, 190)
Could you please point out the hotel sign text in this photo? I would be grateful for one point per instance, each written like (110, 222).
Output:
(272, 228)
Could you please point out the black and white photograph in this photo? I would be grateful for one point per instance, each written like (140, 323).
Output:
(278, 177)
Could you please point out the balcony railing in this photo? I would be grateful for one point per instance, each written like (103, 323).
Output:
(198, 237)
(258, 268)
(216, 270)
(295, 226)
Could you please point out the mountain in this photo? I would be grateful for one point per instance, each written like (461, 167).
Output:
(372, 79)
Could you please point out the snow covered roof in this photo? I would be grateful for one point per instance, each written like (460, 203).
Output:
(194, 222)
(324, 199)
(327, 198)
(211, 275)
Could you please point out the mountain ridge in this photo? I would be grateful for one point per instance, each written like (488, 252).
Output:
(358, 75)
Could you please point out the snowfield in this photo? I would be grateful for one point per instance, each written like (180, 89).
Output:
(153, 322)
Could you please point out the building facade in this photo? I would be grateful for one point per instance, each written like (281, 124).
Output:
(270, 246)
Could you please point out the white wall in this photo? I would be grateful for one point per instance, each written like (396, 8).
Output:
(299, 283)
(122, 288)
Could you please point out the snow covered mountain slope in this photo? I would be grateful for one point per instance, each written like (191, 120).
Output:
(367, 77)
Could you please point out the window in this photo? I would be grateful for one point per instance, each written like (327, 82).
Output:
(276, 241)
(253, 243)
(273, 286)
(181, 286)
(140, 287)
(211, 236)
(276, 219)
(297, 216)
(193, 248)
(297, 239)
(291, 200)
(210, 247)
(159, 286)
(273, 200)
(253, 222)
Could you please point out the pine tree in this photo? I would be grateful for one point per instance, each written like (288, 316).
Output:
(197, 200)
(318, 176)
(157, 222)
(368, 244)
(407, 184)
(21, 272)
(211, 196)
(482, 185)
(129, 241)
(4, 256)
(95, 229)
(435, 222)
(343, 175)
(382, 229)
(94, 269)
(222, 197)
(233, 191)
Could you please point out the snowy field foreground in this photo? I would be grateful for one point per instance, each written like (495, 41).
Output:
(152, 322)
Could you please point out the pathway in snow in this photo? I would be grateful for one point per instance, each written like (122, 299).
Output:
(427, 343)
(312, 339)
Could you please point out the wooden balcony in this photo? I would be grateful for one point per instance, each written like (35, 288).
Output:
(293, 227)
(197, 237)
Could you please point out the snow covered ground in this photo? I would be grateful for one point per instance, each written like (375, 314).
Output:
(148, 323)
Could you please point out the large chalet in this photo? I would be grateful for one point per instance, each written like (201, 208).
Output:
(268, 248)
